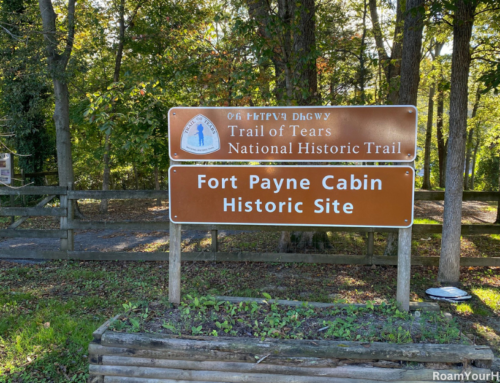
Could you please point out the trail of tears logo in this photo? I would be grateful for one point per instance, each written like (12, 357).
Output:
(200, 136)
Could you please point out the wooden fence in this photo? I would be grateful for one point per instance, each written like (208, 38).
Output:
(68, 224)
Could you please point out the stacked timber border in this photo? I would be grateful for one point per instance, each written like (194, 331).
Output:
(68, 224)
(146, 358)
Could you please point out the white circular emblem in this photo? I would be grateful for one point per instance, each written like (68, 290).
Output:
(200, 136)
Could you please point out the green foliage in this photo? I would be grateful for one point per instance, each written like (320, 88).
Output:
(25, 98)
(487, 172)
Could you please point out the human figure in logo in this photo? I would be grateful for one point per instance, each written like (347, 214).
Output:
(200, 134)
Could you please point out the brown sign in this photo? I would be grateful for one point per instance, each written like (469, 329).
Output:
(365, 133)
(374, 196)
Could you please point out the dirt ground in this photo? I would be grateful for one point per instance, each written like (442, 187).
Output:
(475, 212)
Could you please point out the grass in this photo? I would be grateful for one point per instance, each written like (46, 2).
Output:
(49, 311)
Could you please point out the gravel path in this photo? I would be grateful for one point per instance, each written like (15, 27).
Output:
(106, 240)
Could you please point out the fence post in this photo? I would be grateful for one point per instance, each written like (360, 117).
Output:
(214, 246)
(64, 220)
(404, 268)
(370, 245)
(174, 259)
(23, 182)
(12, 197)
(70, 217)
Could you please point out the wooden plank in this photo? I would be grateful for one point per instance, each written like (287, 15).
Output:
(34, 190)
(33, 211)
(123, 379)
(479, 262)
(480, 196)
(42, 203)
(467, 196)
(113, 225)
(345, 371)
(213, 376)
(39, 174)
(97, 334)
(211, 355)
(24, 233)
(416, 352)
(97, 349)
(419, 229)
(117, 194)
(237, 257)
(276, 257)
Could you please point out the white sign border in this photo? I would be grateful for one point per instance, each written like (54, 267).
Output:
(291, 166)
(198, 159)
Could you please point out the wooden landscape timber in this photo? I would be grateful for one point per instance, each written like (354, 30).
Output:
(139, 357)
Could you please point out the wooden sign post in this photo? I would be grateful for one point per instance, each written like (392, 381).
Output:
(356, 196)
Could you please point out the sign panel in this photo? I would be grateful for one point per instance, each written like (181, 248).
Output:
(5, 170)
(330, 133)
(373, 196)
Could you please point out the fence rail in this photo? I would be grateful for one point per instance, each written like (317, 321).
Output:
(68, 224)
(240, 257)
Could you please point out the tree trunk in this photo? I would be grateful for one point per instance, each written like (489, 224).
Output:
(103, 207)
(410, 74)
(57, 63)
(498, 207)
(390, 64)
(468, 154)
(305, 54)
(469, 139)
(474, 156)
(410, 59)
(63, 135)
(362, 69)
(136, 177)
(157, 184)
(440, 137)
(449, 261)
(428, 138)
(430, 117)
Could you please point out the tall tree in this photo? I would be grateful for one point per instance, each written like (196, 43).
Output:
(122, 27)
(426, 184)
(441, 142)
(449, 261)
(59, 50)
(469, 144)
(391, 63)
(25, 94)
(410, 72)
